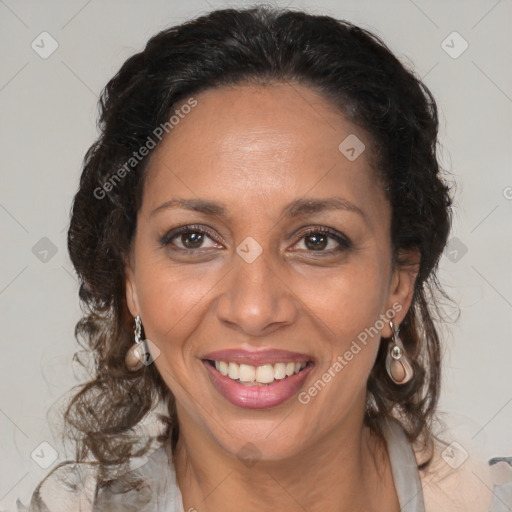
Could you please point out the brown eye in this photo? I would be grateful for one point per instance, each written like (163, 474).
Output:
(316, 241)
(323, 241)
(192, 240)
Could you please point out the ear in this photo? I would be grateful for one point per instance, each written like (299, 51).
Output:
(132, 299)
(401, 288)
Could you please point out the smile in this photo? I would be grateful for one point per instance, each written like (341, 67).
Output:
(257, 375)
(253, 380)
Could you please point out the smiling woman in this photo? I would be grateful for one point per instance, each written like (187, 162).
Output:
(266, 273)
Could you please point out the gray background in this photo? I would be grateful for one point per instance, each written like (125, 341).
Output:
(48, 113)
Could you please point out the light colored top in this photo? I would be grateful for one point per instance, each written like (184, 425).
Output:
(453, 482)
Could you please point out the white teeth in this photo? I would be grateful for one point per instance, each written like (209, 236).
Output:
(247, 373)
(264, 374)
(279, 371)
(234, 371)
(290, 369)
(224, 368)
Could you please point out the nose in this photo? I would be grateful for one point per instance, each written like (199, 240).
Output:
(257, 300)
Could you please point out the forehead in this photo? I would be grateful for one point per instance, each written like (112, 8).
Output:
(272, 143)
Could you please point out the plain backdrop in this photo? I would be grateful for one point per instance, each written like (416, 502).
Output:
(48, 116)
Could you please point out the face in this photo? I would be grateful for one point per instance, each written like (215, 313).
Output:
(259, 243)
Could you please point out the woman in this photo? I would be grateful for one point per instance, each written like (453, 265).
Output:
(257, 232)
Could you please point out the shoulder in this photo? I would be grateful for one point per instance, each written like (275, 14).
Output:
(458, 480)
(68, 487)
(148, 484)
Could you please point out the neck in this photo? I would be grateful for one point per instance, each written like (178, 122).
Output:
(346, 469)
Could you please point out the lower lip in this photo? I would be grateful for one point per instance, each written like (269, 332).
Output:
(257, 397)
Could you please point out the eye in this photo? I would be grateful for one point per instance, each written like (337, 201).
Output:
(324, 240)
(189, 238)
(193, 238)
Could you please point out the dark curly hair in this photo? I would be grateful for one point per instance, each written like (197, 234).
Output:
(355, 72)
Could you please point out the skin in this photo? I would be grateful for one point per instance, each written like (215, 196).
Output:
(256, 149)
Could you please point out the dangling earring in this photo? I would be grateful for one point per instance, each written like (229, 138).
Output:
(135, 355)
(397, 365)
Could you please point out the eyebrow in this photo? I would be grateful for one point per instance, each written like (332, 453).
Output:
(296, 208)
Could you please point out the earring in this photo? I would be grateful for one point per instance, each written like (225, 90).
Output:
(397, 365)
(135, 355)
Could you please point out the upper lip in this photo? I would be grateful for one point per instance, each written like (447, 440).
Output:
(257, 358)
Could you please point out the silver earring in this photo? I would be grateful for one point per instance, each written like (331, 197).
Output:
(397, 365)
(135, 355)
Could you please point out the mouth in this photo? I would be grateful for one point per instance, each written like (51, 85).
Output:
(257, 386)
(263, 375)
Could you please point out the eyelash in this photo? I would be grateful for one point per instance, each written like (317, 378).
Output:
(343, 241)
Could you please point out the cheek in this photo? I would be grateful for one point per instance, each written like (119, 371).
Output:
(339, 384)
(172, 306)
(348, 308)
(172, 298)
(346, 300)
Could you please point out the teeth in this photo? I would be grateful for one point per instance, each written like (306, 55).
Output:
(234, 371)
(224, 368)
(290, 369)
(265, 374)
(279, 371)
(247, 373)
